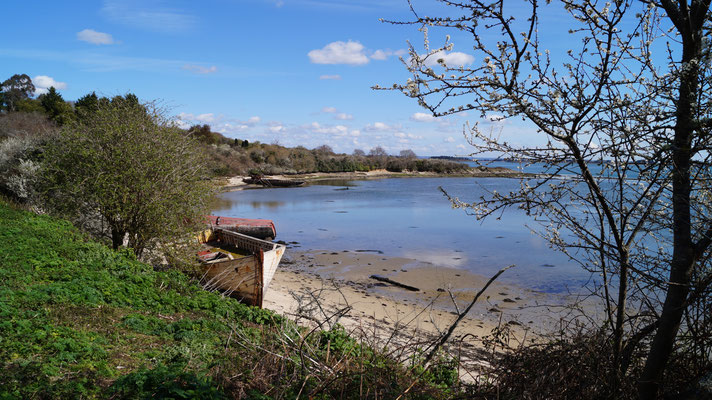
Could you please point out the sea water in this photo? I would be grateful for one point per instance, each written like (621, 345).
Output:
(410, 217)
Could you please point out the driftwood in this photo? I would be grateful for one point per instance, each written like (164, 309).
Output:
(394, 283)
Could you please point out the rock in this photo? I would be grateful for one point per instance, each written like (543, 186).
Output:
(508, 300)
(441, 290)
(494, 309)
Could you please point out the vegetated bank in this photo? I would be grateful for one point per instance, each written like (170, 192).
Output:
(78, 319)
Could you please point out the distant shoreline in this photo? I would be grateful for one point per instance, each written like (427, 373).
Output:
(229, 184)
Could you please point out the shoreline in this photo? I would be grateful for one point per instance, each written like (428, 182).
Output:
(234, 183)
(341, 282)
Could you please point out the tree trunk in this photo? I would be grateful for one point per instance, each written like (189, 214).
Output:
(683, 258)
(117, 238)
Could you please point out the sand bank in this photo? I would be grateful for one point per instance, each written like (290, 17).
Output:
(341, 281)
(237, 183)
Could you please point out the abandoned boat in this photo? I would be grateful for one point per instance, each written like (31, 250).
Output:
(238, 265)
(259, 228)
(273, 182)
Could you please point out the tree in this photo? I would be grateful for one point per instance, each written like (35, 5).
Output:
(628, 113)
(86, 104)
(324, 149)
(55, 107)
(15, 89)
(378, 151)
(358, 153)
(128, 164)
(407, 153)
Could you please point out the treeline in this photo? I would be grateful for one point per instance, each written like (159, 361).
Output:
(242, 157)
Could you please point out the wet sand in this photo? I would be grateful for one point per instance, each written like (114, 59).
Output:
(341, 280)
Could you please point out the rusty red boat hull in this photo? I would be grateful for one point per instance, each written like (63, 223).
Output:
(258, 228)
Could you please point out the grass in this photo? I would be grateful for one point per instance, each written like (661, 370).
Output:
(78, 320)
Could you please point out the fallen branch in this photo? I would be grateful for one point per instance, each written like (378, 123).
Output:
(394, 283)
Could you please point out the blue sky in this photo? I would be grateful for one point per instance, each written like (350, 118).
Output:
(294, 72)
(244, 67)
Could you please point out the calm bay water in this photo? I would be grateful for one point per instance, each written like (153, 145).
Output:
(410, 217)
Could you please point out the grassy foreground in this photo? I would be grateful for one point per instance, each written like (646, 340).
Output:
(78, 320)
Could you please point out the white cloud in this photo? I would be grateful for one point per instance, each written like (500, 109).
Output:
(253, 120)
(344, 116)
(330, 77)
(379, 55)
(207, 117)
(404, 135)
(43, 83)
(351, 53)
(422, 117)
(449, 139)
(329, 110)
(94, 37)
(199, 69)
(380, 126)
(452, 59)
(315, 127)
(276, 128)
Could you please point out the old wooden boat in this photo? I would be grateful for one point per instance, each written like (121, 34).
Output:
(273, 182)
(259, 228)
(238, 265)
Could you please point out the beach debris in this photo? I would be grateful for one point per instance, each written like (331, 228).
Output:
(394, 283)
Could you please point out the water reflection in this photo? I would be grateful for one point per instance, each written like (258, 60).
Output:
(439, 257)
(267, 204)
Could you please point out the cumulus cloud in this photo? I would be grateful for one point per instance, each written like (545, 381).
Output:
(449, 139)
(381, 55)
(337, 115)
(403, 135)
(315, 127)
(95, 37)
(452, 59)
(422, 117)
(380, 126)
(200, 69)
(43, 83)
(350, 53)
(253, 120)
(330, 77)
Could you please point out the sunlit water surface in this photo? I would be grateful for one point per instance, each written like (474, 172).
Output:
(410, 217)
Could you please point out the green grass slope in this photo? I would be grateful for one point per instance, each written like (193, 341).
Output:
(78, 320)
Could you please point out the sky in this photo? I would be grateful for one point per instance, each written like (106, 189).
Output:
(293, 72)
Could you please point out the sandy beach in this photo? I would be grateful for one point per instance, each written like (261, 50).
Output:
(341, 282)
